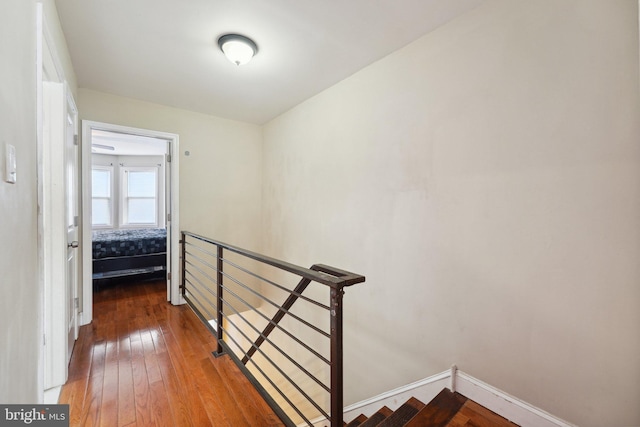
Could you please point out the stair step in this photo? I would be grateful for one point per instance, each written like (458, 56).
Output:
(378, 417)
(403, 414)
(357, 421)
(440, 411)
(474, 415)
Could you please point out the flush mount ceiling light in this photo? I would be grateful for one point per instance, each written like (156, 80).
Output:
(238, 49)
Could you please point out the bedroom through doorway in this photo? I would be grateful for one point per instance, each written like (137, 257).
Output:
(129, 209)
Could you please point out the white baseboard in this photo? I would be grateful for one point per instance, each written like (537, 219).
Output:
(503, 404)
(425, 390)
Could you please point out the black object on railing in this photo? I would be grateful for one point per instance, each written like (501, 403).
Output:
(247, 317)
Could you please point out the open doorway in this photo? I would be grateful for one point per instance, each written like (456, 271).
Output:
(130, 208)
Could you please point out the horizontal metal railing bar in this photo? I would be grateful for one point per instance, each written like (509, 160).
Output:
(298, 318)
(285, 376)
(253, 380)
(274, 345)
(264, 279)
(281, 329)
(200, 316)
(291, 404)
(201, 249)
(201, 271)
(204, 285)
(279, 315)
(201, 308)
(203, 262)
(322, 276)
(248, 305)
(272, 362)
(199, 291)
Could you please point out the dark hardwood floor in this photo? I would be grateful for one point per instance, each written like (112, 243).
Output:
(144, 362)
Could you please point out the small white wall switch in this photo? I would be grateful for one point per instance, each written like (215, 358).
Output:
(10, 169)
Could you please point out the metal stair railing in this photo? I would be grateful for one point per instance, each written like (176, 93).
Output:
(282, 348)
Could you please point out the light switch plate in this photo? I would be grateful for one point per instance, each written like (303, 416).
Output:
(10, 169)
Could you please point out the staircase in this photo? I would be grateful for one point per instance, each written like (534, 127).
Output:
(447, 409)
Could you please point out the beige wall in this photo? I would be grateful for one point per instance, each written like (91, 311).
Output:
(220, 190)
(20, 293)
(486, 180)
(20, 300)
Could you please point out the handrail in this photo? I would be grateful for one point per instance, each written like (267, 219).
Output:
(326, 275)
(201, 277)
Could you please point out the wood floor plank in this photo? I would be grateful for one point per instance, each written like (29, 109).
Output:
(144, 413)
(90, 415)
(160, 403)
(262, 413)
(174, 390)
(109, 406)
(126, 396)
(143, 362)
(231, 409)
(208, 397)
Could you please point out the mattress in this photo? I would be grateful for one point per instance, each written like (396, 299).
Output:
(121, 243)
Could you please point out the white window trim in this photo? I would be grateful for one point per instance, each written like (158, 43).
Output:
(111, 198)
(123, 193)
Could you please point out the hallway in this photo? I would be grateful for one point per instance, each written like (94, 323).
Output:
(144, 362)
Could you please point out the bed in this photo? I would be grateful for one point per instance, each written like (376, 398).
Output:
(118, 253)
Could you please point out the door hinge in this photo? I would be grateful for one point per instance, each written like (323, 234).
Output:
(44, 339)
(76, 220)
(168, 158)
(75, 139)
(169, 276)
(169, 217)
(76, 302)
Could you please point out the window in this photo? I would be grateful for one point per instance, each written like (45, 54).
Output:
(139, 196)
(101, 195)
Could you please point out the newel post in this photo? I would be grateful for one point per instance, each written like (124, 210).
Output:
(337, 368)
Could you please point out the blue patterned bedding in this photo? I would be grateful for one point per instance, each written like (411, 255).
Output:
(119, 243)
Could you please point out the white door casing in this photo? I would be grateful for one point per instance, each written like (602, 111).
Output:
(172, 210)
(56, 118)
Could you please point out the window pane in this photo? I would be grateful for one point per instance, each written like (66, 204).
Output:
(100, 183)
(141, 211)
(101, 213)
(142, 184)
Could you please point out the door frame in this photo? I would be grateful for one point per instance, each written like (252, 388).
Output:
(172, 198)
(54, 103)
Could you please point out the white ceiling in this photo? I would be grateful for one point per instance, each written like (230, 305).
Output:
(165, 51)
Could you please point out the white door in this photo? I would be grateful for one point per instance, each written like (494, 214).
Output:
(57, 210)
(72, 218)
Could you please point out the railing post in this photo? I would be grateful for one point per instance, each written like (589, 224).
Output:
(337, 368)
(183, 262)
(220, 350)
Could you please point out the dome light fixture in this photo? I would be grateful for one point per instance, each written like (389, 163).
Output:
(237, 48)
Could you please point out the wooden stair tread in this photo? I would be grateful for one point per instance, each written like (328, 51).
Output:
(439, 411)
(357, 421)
(375, 419)
(403, 414)
(473, 414)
